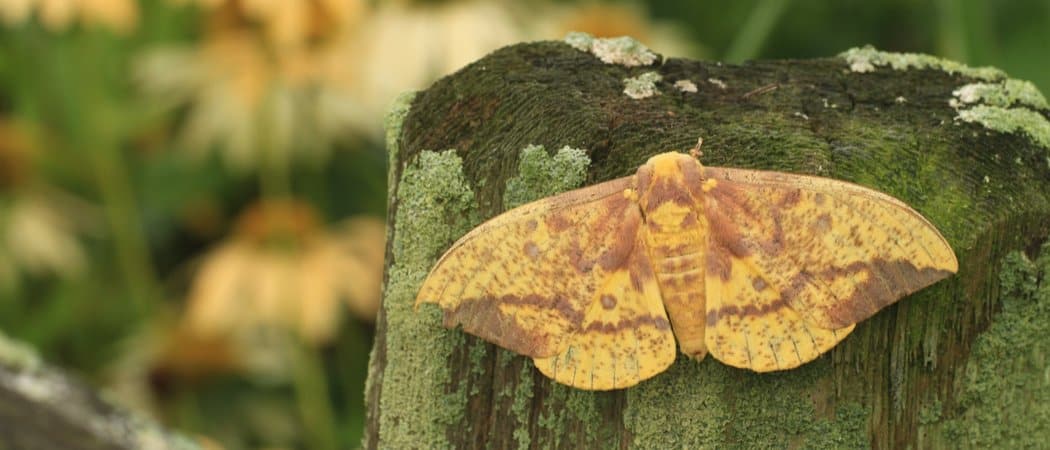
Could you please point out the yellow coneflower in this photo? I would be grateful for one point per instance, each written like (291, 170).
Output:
(261, 98)
(59, 15)
(314, 75)
(289, 23)
(282, 270)
(38, 223)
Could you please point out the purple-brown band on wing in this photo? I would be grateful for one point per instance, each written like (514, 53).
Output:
(888, 283)
(482, 317)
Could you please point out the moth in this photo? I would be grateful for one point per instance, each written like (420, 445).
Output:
(761, 270)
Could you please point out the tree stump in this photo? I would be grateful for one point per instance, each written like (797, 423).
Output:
(961, 363)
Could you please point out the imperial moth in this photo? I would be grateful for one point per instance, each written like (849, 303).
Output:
(761, 270)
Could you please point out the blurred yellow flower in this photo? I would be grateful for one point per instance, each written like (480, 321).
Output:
(37, 238)
(255, 103)
(324, 70)
(289, 23)
(59, 15)
(38, 223)
(282, 270)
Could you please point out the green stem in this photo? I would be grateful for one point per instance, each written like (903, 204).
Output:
(753, 34)
(122, 217)
(314, 402)
(275, 171)
(952, 30)
(89, 112)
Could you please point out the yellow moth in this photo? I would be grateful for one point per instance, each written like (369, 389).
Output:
(761, 270)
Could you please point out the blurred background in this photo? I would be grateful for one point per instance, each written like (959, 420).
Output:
(192, 192)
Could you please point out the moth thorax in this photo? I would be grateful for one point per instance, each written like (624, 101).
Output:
(670, 187)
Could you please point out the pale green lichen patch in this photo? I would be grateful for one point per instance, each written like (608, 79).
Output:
(1005, 394)
(623, 50)
(435, 206)
(542, 175)
(710, 405)
(1005, 94)
(1006, 106)
(392, 123)
(685, 86)
(579, 40)
(1010, 120)
(866, 59)
(17, 355)
(642, 86)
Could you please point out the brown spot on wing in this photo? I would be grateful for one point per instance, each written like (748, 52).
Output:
(558, 223)
(608, 301)
(790, 199)
(822, 224)
(758, 284)
(532, 250)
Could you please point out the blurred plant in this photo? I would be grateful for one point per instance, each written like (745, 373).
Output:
(265, 86)
(275, 81)
(282, 274)
(59, 15)
(38, 223)
(442, 38)
(281, 269)
(288, 23)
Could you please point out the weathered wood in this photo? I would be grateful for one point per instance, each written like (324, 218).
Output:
(886, 121)
(41, 408)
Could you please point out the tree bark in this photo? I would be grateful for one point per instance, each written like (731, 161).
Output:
(42, 408)
(914, 375)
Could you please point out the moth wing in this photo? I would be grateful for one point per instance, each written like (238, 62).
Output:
(625, 336)
(750, 326)
(525, 279)
(795, 261)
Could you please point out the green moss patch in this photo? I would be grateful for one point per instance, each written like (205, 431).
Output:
(1004, 401)
(710, 405)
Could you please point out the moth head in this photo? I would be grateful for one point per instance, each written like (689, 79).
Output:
(671, 177)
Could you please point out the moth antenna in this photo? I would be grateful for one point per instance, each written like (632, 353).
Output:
(695, 151)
